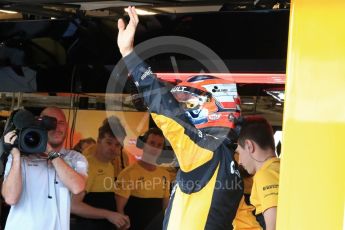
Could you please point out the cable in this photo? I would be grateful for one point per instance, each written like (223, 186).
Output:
(260, 160)
(74, 119)
(73, 99)
(49, 196)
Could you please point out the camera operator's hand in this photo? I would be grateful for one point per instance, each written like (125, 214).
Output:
(12, 186)
(9, 140)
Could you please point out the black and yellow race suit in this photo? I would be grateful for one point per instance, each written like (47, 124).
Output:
(209, 187)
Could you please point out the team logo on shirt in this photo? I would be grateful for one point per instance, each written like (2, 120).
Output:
(272, 186)
(233, 170)
(147, 73)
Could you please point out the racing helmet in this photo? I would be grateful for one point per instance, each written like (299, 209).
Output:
(209, 101)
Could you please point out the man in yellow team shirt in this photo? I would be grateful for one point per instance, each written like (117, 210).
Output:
(142, 189)
(96, 207)
(257, 155)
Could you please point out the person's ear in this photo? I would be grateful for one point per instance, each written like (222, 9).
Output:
(250, 147)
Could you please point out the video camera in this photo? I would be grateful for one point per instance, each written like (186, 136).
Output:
(32, 131)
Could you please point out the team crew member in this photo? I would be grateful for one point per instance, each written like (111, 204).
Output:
(209, 186)
(142, 189)
(245, 218)
(119, 162)
(257, 155)
(96, 207)
(38, 186)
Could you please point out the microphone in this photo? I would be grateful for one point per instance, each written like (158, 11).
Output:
(23, 118)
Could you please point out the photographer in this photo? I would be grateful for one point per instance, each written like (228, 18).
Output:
(38, 185)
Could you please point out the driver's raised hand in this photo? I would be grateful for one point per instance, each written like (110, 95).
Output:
(125, 38)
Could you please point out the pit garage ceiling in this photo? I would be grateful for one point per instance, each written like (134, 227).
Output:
(62, 8)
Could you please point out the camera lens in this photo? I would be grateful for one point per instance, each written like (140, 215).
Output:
(32, 139)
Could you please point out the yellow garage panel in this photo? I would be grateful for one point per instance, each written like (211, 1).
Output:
(312, 182)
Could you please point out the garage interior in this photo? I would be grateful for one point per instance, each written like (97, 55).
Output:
(70, 46)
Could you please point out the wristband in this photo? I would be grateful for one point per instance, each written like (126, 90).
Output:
(7, 147)
(53, 155)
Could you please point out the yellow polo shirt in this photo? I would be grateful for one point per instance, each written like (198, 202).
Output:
(265, 186)
(138, 182)
(100, 176)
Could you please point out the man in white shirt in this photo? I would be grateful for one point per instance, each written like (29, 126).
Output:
(38, 186)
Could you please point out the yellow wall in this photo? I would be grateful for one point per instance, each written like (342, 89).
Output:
(312, 182)
(88, 122)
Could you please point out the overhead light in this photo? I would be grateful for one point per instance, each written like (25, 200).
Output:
(98, 5)
(8, 12)
(142, 12)
(247, 103)
(277, 94)
(52, 18)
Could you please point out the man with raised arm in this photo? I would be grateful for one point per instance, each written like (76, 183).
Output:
(209, 186)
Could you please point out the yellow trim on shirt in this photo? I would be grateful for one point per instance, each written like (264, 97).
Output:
(265, 186)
